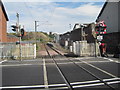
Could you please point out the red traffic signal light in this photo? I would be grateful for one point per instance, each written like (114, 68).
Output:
(101, 27)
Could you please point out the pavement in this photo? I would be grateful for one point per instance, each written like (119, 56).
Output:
(43, 73)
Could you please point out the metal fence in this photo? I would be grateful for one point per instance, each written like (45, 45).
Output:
(13, 50)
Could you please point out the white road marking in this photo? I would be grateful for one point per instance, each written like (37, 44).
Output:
(3, 61)
(97, 81)
(96, 84)
(108, 59)
(45, 74)
(97, 61)
(117, 61)
(111, 79)
(100, 69)
(88, 85)
(94, 81)
(75, 84)
(113, 82)
(16, 65)
(35, 86)
(27, 87)
(111, 60)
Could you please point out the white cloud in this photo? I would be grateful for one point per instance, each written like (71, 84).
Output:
(86, 10)
(84, 14)
(59, 17)
(56, 0)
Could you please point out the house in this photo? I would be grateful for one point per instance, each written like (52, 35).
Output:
(110, 13)
(63, 38)
(79, 34)
(81, 40)
(3, 26)
(3, 23)
(56, 38)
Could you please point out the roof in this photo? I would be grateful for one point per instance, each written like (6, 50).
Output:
(3, 9)
(77, 24)
(105, 4)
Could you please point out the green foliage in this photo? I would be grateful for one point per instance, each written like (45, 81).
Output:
(51, 36)
(39, 36)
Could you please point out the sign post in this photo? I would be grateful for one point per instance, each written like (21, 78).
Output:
(100, 30)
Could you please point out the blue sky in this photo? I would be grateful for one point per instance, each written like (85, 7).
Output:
(52, 16)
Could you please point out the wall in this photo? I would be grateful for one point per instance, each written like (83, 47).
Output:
(0, 24)
(112, 40)
(3, 27)
(64, 37)
(75, 35)
(12, 51)
(82, 48)
(119, 16)
(12, 39)
(110, 16)
(88, 31)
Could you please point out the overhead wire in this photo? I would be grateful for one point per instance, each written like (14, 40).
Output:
(29, 11)
(49, 19)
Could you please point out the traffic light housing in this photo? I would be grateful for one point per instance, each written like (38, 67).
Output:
(22, 32)
(14, 28)
(101, 27)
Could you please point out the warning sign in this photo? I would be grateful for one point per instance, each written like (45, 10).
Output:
(99, 38)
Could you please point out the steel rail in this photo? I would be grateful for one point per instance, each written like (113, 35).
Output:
(105, 83)
(60, 71)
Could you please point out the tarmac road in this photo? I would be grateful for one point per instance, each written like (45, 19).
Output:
(42, 73)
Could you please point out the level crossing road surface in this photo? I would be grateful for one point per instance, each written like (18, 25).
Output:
(42, 73)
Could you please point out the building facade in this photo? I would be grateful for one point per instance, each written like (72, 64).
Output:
(3, 23)
(110, 13)
(79, 34)
(3, 26)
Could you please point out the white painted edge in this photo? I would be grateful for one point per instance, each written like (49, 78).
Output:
(2, 61)
(91, 83)
(100, 69)
(111, 60)
(111, 79)
(45, 74)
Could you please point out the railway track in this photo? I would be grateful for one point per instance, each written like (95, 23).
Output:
(72, 86)
(65, 70)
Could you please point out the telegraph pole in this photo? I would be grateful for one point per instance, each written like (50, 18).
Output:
(36, 33)
(18, 31)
